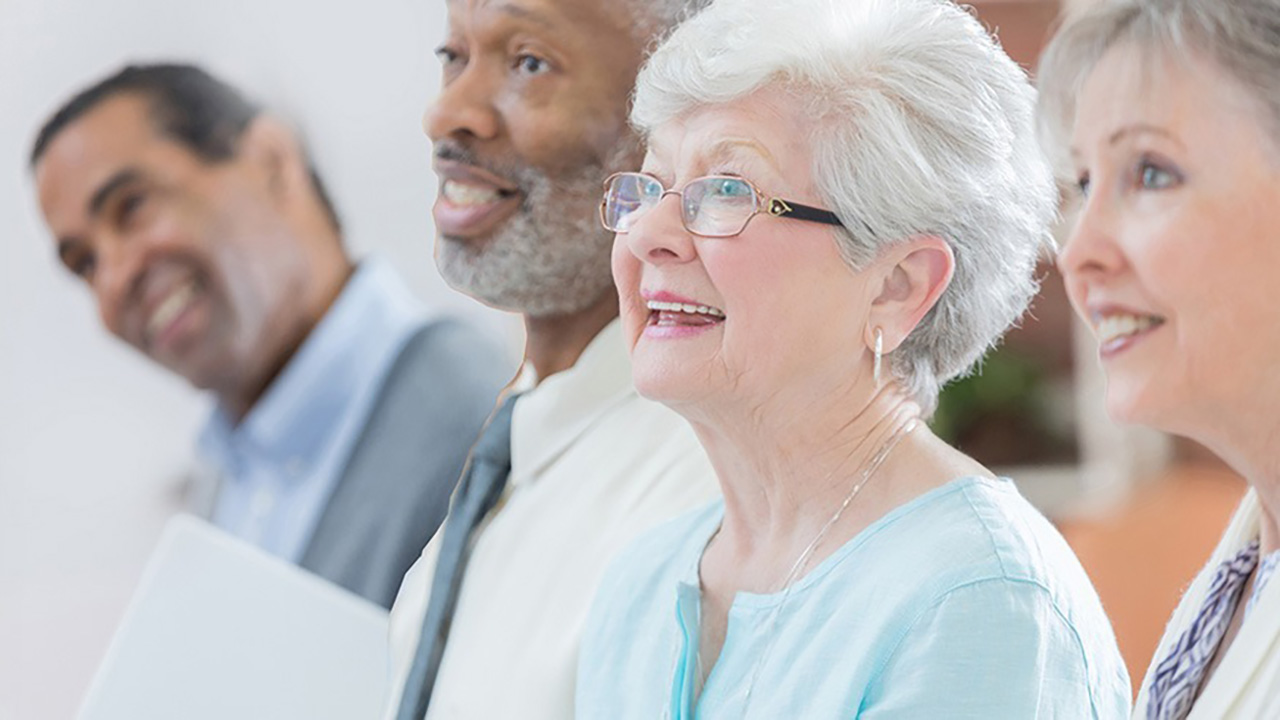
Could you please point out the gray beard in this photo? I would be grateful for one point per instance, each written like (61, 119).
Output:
(550, 258)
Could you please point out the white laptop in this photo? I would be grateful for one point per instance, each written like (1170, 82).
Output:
(219, 630)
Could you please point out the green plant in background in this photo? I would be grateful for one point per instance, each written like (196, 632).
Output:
(1000, 414)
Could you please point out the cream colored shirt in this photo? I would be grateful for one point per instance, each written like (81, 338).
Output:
(593, 466)
(1246, 683)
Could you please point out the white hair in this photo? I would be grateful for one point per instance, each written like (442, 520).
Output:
(921, 125)
(1241, 36)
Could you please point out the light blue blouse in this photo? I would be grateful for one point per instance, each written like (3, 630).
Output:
(963, 603)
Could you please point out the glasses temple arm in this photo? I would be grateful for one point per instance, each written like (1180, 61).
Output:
(786, 208)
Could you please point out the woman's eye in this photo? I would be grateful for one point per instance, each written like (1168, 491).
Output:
(1154, 177)
(733, 188)
(532, 64)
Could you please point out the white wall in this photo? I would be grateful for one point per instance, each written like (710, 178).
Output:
(92, 438)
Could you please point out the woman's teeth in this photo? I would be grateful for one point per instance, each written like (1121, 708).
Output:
(1115, 327)
(656, 306)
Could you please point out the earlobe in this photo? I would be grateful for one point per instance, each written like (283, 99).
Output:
(921, 271)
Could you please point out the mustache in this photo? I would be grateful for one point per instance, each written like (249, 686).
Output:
(518, 173)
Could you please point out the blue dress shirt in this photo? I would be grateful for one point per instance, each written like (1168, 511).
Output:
(963, 603)
(279, 466)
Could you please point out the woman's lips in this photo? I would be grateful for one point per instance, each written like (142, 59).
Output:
(1119, 331)
(668, 318)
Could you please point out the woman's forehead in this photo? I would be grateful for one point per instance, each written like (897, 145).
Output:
(751, 129)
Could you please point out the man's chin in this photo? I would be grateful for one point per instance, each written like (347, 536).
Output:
(526, 268)
(556, 299)
(200, 373)
(470, 246)
(198, 378)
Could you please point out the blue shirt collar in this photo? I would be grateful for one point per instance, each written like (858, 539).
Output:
(354, 343)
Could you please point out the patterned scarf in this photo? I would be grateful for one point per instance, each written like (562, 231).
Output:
(1178, 678)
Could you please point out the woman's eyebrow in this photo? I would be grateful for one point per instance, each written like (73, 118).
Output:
(731, 147)
(1141, 129)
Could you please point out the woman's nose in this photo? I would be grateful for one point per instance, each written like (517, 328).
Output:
(1092, 247)
(659, 236)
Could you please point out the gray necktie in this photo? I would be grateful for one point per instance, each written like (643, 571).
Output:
(478, 491)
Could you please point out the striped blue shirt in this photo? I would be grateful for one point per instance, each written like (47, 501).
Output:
(279, 467)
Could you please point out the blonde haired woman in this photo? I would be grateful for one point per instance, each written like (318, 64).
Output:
(1168, 114)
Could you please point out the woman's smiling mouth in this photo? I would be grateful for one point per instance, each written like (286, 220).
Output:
(678, 318)
(1117, 331)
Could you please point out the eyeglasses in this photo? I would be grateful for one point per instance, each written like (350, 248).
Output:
(712, 206)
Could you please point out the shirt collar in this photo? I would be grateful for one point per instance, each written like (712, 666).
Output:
(337, 364)
(551, 416)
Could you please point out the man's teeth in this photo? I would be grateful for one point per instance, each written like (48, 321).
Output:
(171, 307)
(656, 306)
(1114, 327)
(463, 194)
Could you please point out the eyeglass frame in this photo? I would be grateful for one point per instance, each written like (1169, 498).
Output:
(777, 207)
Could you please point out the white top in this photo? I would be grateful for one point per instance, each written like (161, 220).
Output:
(593, 466)
(1246, 683)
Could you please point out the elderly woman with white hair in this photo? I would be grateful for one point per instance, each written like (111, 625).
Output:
(1167, 115)
(859, 202)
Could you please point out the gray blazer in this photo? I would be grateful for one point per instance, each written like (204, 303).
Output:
(395, 489)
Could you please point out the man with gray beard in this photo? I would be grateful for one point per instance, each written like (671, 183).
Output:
(531, 120)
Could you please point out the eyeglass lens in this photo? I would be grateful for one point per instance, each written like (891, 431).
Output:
(710, 206)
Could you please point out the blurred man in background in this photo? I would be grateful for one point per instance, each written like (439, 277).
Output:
(531, 119)
(344, 412)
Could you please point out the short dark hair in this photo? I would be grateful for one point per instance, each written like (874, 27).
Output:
(187, 105)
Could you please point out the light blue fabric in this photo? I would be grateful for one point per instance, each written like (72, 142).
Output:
(279, 466)
(963, 603)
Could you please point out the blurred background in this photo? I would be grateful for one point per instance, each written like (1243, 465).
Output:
(94, 442)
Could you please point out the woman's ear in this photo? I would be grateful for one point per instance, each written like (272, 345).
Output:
(918, 272)
(274, 153)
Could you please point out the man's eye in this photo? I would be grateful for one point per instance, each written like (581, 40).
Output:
(84, 268)
(531, 64)
(446, 55)
(129, 205)
(1082, 184)
(80, 264)
(127, 209)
